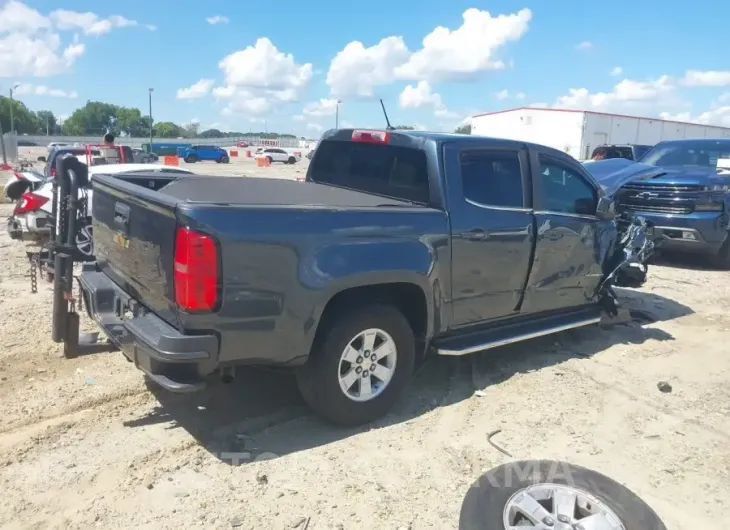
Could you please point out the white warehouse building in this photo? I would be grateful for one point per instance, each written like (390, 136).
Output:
(578, 132)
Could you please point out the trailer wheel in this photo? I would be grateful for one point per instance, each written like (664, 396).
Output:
(359, 365)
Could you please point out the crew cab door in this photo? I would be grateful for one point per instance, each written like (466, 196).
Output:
(567, 266)
(492, 229)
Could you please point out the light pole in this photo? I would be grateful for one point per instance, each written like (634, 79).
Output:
(150, 91)
(337, 114)
(12, 121)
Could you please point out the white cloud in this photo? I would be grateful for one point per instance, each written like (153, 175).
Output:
(710, 78)
(91, 23)
(718, 114)
(41, 55)
(315, 127)
(627, 93)
(298, 117)
(420, 96)
(446, 55)
(520, 95)
(471, 48)
(617, 70)
(347, 124)
(584, 46)
(17, 17)
(217, 19)
(31, 43)
(502, 94)
(196, 90)
(323, 107)
(260, 76)
(42, 90)
(356, 70)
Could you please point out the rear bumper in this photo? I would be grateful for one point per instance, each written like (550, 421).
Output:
(701, 233)
(29, 227)
(175, 361)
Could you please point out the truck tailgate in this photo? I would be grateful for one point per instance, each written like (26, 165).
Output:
(134, 235)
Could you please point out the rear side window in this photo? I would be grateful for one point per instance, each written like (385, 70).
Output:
(389, 170)
(492, 178)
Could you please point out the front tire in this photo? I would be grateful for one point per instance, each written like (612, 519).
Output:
(529, 492)
(225, 160)
(359, 365)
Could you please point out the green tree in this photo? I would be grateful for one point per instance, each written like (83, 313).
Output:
(47, 122)
(24, 120)
(463, 129)
(93, 118)
(212, 133)
(167, 129)
(191, 129)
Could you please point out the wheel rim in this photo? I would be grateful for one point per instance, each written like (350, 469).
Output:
(84, 241)
(558, 507)
(367, 365)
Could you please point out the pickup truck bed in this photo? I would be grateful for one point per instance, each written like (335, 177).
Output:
(271, 192)
(397, 245)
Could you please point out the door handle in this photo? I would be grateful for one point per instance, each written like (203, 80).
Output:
(476, 234)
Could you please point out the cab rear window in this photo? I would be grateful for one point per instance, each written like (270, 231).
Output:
(382, 169)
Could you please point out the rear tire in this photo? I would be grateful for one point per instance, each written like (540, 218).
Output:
(291, 160)
(319, 379)
(191, 159)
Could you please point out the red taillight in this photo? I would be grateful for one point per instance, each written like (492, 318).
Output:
(371, 137)
(53, 171)
(196, 270)
(29, 202)
(18, 176)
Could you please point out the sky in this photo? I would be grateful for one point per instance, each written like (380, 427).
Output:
(283, 66)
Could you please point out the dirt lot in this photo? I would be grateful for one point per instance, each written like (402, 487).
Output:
(85, 443)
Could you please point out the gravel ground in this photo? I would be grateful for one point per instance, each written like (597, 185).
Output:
(86, 443)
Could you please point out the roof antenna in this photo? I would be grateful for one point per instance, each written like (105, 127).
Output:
(389, 127)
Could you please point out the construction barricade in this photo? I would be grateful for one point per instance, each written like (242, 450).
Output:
(171, 160)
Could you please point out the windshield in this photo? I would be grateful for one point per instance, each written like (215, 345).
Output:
(704, 153)
(392, 171)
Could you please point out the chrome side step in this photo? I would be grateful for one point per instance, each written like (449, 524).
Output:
(518, 338)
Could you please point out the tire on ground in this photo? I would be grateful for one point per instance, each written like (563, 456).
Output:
(318, 378)
(483, 506)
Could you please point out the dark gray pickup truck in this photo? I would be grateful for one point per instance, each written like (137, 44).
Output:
(397, 245)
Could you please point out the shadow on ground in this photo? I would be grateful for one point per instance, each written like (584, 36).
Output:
(681, 260)
(231, 420)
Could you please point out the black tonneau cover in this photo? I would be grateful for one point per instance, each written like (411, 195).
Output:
(270, 192)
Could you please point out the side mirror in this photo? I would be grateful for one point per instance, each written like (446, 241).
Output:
(606, 208)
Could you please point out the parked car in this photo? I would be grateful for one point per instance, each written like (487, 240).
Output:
(198, 153)
(627, 151)
(143, 157)
(397, 245)
(31, 218)
(21, 181)
(242, 143)
(26, 143)
(682, 187)
(89, 154)
(275, 154)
